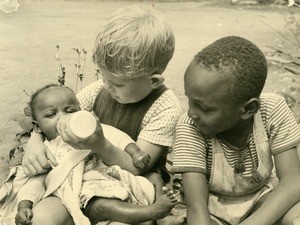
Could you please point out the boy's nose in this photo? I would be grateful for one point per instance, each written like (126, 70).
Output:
(192, 114)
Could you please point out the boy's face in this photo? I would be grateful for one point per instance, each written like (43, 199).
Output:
(209, 106)
(50, 105)
(127, 90)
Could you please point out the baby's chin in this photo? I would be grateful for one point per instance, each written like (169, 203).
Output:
(52, 136)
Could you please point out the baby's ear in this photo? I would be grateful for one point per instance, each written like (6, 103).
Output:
(36, 127)
(250, 108)
(156, 80)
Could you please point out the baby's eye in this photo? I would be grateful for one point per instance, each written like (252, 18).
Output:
(50, 115)
(70, 110)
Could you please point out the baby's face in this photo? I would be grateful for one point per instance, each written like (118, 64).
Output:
(209, 106)
(52, 103)
(127, 90)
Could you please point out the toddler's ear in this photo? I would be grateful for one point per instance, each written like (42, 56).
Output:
(36, 127)
(250, 108)
(156, 80)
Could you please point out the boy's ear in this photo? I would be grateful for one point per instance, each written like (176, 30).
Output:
(156, 80)
(36, 127)
(250, 108)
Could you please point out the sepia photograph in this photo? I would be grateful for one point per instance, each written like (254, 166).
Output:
(151, 112)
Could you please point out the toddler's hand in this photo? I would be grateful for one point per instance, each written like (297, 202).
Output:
(37, 156)
(96, 140)
(140, 159)
(24, 216)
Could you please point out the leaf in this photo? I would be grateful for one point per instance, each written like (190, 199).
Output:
(24, 121)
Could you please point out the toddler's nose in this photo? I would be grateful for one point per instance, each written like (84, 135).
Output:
(108, 85)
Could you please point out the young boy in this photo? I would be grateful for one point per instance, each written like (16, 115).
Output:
(81, 175)
(132, 51)
(225, 143)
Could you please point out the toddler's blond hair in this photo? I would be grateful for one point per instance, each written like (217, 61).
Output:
(134, 42)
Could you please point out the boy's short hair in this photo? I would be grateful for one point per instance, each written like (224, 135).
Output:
(134, 42)
(240, 58)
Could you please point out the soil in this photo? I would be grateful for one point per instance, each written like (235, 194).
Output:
(29, 37)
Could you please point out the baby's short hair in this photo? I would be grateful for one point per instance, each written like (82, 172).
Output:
(240, 58)
(32, 102)
(134, 42)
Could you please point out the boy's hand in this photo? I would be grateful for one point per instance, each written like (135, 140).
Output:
(140, 159)
(37, 156)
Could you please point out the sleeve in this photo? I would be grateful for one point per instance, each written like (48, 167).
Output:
(33, 190)
(283, 129)
(159, 123)
(116, 137)
(189, 148)
(87, 95)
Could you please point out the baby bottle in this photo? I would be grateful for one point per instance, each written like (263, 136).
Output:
(82, 123)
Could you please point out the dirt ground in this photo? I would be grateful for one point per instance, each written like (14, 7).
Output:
(29, 37)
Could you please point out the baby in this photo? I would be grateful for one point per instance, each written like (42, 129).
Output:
(80, 175)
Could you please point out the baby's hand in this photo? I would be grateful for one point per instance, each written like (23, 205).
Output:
(24, 216)
(140, 159)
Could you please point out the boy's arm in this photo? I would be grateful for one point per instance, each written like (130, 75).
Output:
(37, 156)
(285, 195)
(196, 198)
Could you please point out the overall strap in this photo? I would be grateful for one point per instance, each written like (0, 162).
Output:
(126, 117)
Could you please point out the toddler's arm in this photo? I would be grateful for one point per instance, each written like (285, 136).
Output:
(24, 214)
(111, 152)
(139, 158)
(122, 140)
(37, 156)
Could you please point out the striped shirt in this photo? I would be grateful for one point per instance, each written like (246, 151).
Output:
(193, 151)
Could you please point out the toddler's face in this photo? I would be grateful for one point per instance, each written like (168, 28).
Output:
(127, 90)
(53, 103)
(209, 106)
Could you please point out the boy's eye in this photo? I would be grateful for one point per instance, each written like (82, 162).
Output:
(118, 85)
(200, 107)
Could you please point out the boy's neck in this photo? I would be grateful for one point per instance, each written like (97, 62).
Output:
(239, 135)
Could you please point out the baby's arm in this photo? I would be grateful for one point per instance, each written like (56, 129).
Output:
(24, 214)
(285, 195)
(28, 195)
(196, 197)
(37, 156)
